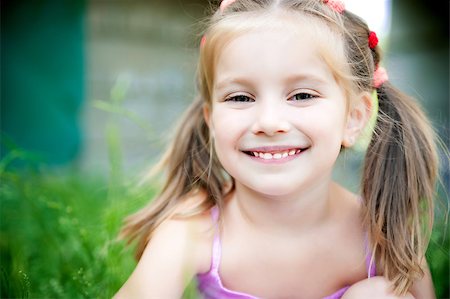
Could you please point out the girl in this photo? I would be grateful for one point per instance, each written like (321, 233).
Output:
(249, 207)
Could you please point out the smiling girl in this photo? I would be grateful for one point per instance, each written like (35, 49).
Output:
(249, 208)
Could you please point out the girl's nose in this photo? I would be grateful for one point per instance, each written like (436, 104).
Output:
(270, 119)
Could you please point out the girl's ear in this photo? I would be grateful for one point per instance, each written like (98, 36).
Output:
(207, 116)
(357, 118)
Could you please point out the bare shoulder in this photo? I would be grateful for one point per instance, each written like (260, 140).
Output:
(193, 235)
(179, 249)
(189, 238)
(198, 233)
(373, 288)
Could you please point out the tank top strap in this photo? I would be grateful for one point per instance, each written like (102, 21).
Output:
(370, 262)
(216, 248)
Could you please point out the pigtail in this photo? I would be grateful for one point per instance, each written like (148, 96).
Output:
(190, 168)
(400, 167)
(399, 176)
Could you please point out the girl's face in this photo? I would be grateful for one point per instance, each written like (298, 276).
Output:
(278, 116)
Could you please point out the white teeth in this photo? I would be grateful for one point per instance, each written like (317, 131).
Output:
(277, 156)
(267, 156)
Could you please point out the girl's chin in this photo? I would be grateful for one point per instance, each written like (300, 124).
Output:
(274, 191)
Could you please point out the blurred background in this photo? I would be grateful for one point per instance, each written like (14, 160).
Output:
(90, 93)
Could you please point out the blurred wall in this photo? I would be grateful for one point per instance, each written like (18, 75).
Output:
(42, 82)
(418, 62)
(418, 56)
(152, 45)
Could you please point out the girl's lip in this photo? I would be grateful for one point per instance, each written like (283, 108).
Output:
(275, 157)
(273, 149)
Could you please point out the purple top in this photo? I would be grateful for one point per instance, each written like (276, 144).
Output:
(211, 287)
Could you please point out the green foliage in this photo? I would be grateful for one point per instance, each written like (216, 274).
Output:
(438, 256)
(58, 237)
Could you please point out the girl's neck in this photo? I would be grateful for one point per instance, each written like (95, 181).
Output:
(301, 211)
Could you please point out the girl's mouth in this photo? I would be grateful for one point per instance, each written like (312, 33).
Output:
(275, 154)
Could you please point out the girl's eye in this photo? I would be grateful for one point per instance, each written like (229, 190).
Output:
(303, 96)
(239, 98)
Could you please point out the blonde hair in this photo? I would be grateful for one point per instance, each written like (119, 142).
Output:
(401, 163)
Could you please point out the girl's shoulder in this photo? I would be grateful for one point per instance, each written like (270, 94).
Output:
(178, 249)
(196, 231)
(194, 234)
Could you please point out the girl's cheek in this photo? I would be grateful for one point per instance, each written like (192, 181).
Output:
(228, 118)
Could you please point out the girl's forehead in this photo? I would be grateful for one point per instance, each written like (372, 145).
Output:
(281, 31)
(290, 21)
(270, 50)
(286, 28)
(322, 33)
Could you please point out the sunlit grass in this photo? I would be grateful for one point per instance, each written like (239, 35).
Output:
(58, 237)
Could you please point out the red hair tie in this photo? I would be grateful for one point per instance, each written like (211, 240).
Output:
(335, 5)
(373, 40)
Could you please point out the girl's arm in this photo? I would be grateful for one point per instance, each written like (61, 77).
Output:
(379, 287)
(376, 287)
(166, 266)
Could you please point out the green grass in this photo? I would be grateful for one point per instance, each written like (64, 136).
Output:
(58, 237)
(438, 257)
